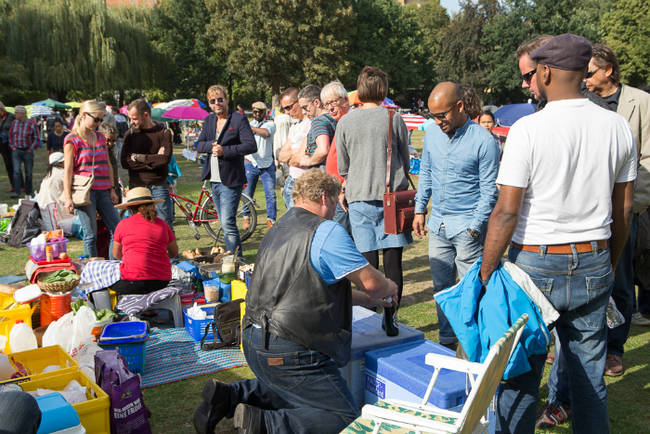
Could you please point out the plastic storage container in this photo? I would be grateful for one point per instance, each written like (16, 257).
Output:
(9, 317)
(400, 373)
(58, 246)
(93, 413)
(367, 335)
(57, 415)
(40, 358)
(54, 306)
(129, 338)
(196, 327)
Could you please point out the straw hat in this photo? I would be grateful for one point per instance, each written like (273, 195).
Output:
(137, 196)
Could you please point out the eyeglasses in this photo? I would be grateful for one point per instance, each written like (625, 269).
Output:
(215, 100)
(527, 77)
(258, 111)
(442, 115)
(590, 74)
(306, 107)
(286, 108)
(97, 120)
(336, 101)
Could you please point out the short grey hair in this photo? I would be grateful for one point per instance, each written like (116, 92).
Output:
(333, 88)
(20, 108)
(310, 92)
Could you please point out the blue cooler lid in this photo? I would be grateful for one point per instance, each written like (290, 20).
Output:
(124, 332)
(56, 413)
(367, 334)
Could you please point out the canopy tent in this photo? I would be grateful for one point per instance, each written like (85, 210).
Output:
(73, 104)
(52, 104)
(38, 110)
(509, 114)
(185, 113)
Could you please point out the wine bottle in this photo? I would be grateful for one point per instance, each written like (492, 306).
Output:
(389, 323)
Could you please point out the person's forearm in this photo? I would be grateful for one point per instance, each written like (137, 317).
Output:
(317, 157)
(261, 131)
(360, 298)
(620, 228)
(501, 226)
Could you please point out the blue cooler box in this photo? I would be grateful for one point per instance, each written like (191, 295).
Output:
(57, 415)
(399, 372)
(368, 335)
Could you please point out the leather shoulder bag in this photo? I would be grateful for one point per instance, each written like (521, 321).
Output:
(81, 185)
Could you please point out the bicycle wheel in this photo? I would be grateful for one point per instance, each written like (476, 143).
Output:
(213, 226)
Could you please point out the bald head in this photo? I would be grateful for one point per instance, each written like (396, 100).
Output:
(447, 108)
(555, 83)
(446, 93)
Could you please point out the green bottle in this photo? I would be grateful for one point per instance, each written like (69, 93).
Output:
(389, 323)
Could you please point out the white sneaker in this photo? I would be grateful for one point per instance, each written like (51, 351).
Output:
(640, 320)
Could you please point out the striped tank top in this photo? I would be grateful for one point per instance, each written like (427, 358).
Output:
(83, 160)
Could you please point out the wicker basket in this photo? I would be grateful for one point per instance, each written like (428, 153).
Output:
(58, 287)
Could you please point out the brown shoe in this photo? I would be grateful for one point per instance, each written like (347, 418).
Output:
(246, 223)
(269, 224)
(614, 366)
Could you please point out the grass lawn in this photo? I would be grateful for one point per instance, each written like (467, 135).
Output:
(173, 404)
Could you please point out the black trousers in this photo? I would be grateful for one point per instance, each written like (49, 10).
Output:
(5, 150)
(123, 287)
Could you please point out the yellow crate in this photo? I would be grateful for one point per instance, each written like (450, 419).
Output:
(238, 290)
(40, 358)
(94, 413)
(9, 317)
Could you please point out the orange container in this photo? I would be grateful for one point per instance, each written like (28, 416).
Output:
(54, 306)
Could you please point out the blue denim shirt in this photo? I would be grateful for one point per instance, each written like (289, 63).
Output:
(458, 174)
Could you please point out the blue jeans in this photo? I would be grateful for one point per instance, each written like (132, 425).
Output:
(578, 285)
(164, 209)
(100, 201)
(305, 393)
(226, 201)
(268, 182)
(343, 218)
(19, 413)
(288, 191)
(558, 380)
(448, 257)
(18, 157)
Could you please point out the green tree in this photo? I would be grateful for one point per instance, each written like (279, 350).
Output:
(282, 43)
(433, 21)
(627, 32)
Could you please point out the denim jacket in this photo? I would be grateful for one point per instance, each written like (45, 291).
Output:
(458, 174)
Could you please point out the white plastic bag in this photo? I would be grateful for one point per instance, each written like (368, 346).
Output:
(196, 313)
(71, 331)
(59, 332)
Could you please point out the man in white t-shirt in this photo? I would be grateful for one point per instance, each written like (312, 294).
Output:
(297, 134)
(567, 181)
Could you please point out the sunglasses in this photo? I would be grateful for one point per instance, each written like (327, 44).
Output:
(527, 77)
(215, 100)
(258, 111)
(286, 108)
(97, 120)
(590, 74)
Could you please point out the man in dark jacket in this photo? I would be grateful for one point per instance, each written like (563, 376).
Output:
(146, 153)
(226, 137)
(297, 328)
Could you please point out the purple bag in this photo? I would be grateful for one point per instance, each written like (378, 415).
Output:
(128, 411)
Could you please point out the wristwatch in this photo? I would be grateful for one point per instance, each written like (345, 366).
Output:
(473, 233)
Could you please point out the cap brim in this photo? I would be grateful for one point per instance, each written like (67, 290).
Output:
(126, 205)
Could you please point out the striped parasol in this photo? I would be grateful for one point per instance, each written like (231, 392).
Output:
(413, 122)
(40, 110)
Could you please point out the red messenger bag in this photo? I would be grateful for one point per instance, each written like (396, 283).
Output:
(399, 206)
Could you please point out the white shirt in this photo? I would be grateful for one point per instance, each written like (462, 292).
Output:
(568, 157)
(263, 158)
(282, 123)
(298, 133)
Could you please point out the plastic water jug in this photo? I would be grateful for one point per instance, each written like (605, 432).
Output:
(6, 370)
(22, 338)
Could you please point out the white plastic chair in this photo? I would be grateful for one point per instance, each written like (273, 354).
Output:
(401, 417)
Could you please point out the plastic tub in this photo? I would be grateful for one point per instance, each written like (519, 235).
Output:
(124, 332)
(134, 353)
(196, 327)
(58, 246)
(40, 358)
(93, 413)
(54, 306)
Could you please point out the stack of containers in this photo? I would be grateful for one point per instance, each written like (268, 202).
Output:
(10, 314)
(129, 338)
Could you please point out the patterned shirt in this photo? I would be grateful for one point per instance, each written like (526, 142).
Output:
(321, 125)
(83, 160)
(24, 135)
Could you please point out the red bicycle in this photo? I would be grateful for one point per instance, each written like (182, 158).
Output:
(203, 212)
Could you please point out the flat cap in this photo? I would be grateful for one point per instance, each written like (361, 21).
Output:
(20, 109)
(259, 105)
(567, 51)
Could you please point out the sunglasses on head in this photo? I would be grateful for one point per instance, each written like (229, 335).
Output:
(98, 120)
(590, 74)
(286, 108)
(215, 100)
(527, 77)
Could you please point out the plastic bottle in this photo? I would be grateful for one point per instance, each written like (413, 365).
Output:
(389, 323)
(22, 338)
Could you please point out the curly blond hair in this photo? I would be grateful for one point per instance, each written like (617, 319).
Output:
(313, 183)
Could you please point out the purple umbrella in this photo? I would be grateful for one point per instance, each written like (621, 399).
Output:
(186, 113)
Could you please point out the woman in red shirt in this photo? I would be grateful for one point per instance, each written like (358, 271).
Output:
(144, 243)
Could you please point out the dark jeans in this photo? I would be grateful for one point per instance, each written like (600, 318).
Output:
(392, 266)
(226, 201)
(301, 392)
(138, 286)
(5, 150)
(623, 293)
(25, 157)
(19, 413)
(267, 175)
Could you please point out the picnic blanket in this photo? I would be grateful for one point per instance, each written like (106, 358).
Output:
(98, 275)
(172, 355)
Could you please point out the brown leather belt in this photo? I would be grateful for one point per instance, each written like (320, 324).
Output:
(562, 249)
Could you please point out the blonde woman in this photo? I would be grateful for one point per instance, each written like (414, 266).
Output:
(79, 147)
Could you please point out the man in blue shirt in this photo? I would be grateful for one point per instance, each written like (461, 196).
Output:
(460, 161)
(297, 327)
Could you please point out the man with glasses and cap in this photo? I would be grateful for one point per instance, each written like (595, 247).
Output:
(24, 139)
(460, 160)
(261, 164)
(566, 228)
